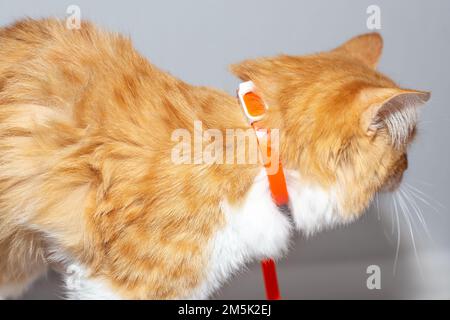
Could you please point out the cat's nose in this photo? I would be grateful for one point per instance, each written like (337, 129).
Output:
(404, 161)
(394, 181)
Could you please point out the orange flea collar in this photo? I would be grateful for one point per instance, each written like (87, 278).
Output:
(255, 109)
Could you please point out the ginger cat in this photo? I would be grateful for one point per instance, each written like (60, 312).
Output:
(86, 177)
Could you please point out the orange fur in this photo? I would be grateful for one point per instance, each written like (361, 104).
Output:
(85, 126)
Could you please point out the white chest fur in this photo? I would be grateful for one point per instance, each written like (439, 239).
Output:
(257, 229)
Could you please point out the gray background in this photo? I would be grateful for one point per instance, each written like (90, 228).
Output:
(197, 40)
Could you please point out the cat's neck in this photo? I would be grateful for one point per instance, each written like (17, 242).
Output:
(221, 112)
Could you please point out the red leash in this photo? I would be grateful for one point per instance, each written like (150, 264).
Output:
(255, 109)
(270, 279)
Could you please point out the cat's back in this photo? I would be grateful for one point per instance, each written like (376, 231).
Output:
(43, 58)
(91, 72)
(29, 46)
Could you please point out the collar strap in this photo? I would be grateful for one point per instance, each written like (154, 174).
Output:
(255, 109)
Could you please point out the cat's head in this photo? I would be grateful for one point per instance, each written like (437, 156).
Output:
(344, 126)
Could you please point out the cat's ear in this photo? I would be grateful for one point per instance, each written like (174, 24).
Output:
(366, 47)
(391, 109)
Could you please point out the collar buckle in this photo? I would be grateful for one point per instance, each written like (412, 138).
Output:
(253, 106)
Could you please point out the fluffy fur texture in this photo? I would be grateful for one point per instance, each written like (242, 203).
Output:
(87, 181)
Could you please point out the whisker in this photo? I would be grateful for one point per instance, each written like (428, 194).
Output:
(421, 198)
(426, 195)
(393, 209)
(377, 202)
(397, 251)
(412, 202)
(404, 211)
(421, 181)
(409, 208)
